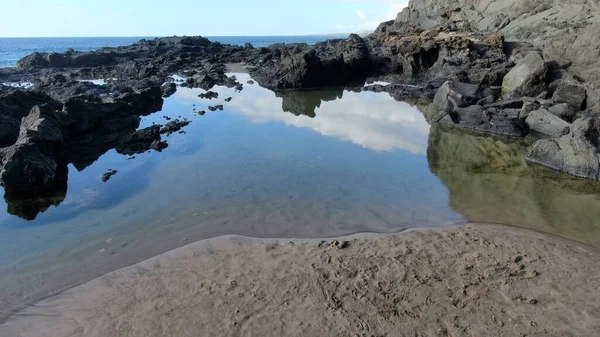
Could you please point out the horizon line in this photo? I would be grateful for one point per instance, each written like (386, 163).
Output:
(160, 36)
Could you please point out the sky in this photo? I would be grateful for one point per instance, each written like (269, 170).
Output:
(99, 18)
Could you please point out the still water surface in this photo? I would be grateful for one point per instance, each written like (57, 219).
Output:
(296, 164)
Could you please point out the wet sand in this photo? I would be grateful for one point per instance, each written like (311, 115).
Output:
(459, 281)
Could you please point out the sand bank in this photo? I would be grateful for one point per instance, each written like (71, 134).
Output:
(460, 281)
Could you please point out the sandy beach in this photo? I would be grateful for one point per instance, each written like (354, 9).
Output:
(473, 280)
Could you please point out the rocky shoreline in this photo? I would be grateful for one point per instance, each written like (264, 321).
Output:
(493, 66)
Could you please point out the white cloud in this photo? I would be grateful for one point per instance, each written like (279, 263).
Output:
(371, 120)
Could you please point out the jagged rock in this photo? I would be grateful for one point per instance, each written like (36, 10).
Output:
(575, 152)
(571, 94)
(303, 66)
(140, 141)
(545, 123)
(168, 89)
(455, 94)
(40, 126)
(174, 126)
(26, 167)
(528, 107)
(527, 78)
(14, 105)
(209, 95)
(488, 120)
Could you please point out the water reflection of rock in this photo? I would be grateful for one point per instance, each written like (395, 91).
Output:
(82, 152)
(305, 102)
(489, 181)
(29, 206)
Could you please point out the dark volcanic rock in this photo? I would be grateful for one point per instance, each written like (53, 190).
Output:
(14, 105)
(174, 126)
(168, 89)
(302, 66)
(141, 141)
(209, 95)
(216, 107)
(25, 167)
(9, 130)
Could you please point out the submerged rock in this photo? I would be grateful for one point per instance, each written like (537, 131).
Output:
(106, 176)
(575, 152)
(174, 126)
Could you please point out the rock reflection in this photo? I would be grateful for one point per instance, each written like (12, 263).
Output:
(306, 103)
(28, 206)
(372, 120)
(489, 181)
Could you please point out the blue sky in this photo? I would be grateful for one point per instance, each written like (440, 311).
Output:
(60, 18)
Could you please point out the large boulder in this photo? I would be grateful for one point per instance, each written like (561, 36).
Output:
(575, 152)
(545, 123)
(527, 78)
(26, 167)
(573, 95)
(456, 94)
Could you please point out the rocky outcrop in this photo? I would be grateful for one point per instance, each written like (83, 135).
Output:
(335, 62)
(566, 31)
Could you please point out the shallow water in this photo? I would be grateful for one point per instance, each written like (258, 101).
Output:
(298, 164)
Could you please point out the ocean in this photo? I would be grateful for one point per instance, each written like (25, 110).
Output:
(13, 49)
